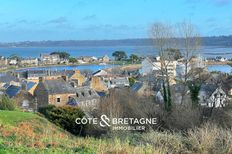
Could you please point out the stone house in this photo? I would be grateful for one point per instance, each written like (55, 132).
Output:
(56, 92)
(118, 82)
(98, 84)
(25, 101)
(85, 97)
(77, 77)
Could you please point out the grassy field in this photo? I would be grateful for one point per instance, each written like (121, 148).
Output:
(15, 117)
(22, 133)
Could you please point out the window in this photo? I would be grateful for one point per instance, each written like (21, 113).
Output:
(83, 94)
(58, 100)
(90, 92)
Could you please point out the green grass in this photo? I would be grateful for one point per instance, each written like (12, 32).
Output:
(22, 132)
(14, 117)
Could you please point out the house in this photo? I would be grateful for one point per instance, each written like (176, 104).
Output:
(118, 82)
(8, 79)
(56, 92)
(29, 86)
(85, 97)
(23, 99)
(29, 61)
(88, 59)
(153, 64)
(48, 59)
(104, 59)
(193, 64)
(142, 89)
(211, 95)
(180, 93)
(77, 77)
(3, 61)
(12, 91)
(98, 84)
(13, 62)
(34, 75)
(100, 73)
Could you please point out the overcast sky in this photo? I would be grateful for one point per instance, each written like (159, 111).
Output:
(34, 20)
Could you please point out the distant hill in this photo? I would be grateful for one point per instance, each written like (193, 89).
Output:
(225, 41)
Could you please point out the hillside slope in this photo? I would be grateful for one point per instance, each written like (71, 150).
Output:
(22, 132)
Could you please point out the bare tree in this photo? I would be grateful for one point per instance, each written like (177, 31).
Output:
(163, 38)
(190, 42)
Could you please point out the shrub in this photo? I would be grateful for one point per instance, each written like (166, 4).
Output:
(6, 103)
(64, 117)
(182, 118)
(210, 139)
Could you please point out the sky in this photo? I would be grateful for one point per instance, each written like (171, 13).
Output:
(37, 20)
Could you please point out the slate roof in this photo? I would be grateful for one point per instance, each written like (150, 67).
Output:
(101, 94)
(7, 78)
(58, 86)
(36, 73)
(136, 86)
(83, 94)
(12, 91)
(208, 88)
(151, 59)
(120, 82)
(100, 72)
(30, 85)
(42, 73)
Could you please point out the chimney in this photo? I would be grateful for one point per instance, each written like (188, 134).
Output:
(41, 79)
(65, 78)
(24, 86)
(77, 72)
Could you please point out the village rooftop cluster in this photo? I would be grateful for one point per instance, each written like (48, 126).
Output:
(32, 89)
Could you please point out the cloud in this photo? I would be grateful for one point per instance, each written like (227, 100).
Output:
(90, 17)
(59, 20)
(80, 4)
(105, 28)
(221, 2)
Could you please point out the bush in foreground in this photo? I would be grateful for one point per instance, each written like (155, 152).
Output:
(64, 117)
(6, 103)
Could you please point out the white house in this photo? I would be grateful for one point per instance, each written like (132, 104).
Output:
(149, 65)
(212, 96)
(194, 63)
(50, 59)
(30, 61)
(13, 62)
